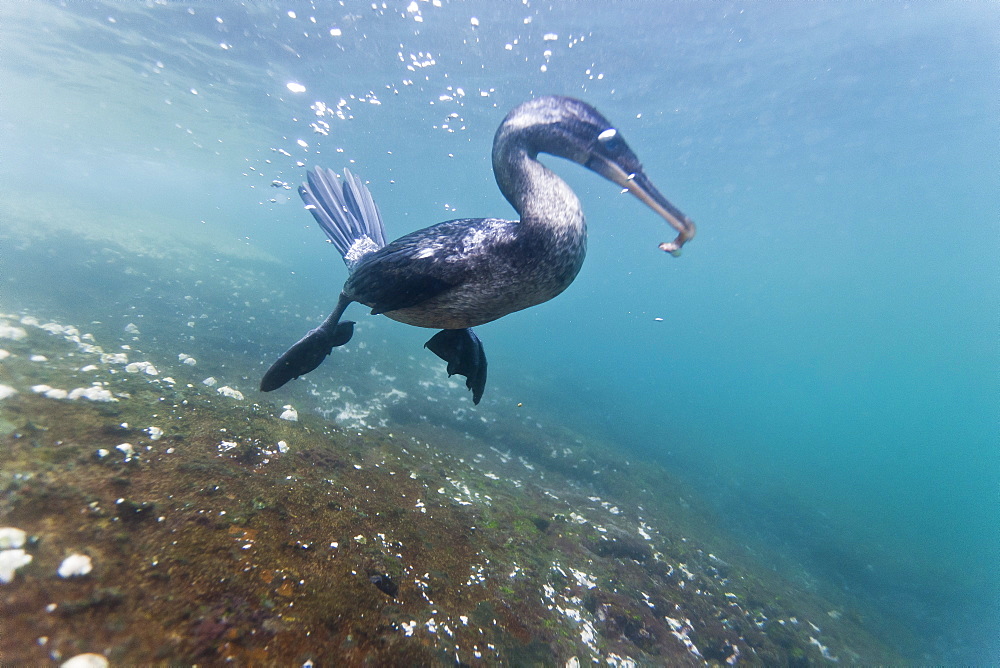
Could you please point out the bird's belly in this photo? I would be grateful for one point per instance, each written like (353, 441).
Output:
(531, 269)
(474, 304)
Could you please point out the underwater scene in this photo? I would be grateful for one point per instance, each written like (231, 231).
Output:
(777, 446)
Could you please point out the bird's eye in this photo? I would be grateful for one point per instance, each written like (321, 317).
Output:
(610, 141)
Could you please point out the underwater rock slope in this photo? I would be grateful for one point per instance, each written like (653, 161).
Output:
(200, 526)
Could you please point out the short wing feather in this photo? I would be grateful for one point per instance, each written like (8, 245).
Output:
(428, 262)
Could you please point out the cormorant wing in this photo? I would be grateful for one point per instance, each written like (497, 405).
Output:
(404, 292)
(421, 265)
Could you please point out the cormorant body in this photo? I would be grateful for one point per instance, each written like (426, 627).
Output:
(463, 273)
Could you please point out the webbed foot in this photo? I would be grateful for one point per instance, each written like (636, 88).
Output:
(463, 351)
(306, 355)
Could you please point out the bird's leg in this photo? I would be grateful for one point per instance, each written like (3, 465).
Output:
(310, 351)
(463, 351)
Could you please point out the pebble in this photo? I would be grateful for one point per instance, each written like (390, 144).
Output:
(75, 565)
(10, 561)
(93, 393)
(12, 333)
(227, 391)
(143, 367)
(11, 537)
(88, 660)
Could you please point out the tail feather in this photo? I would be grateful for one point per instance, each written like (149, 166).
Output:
(359, 200)
(321, 201)
(345, 211)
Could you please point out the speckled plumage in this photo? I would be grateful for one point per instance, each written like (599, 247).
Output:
(482, 269)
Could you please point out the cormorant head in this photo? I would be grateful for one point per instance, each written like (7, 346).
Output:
(574, 130)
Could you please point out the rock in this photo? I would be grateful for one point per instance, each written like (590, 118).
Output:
(75, 565)
(11, 537)
(10, 561)
(88, 660)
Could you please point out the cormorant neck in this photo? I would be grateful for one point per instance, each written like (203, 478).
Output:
(537, 193)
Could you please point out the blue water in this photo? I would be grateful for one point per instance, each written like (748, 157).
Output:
(823, 361)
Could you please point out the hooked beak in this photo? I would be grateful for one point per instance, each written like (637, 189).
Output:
(639, 185)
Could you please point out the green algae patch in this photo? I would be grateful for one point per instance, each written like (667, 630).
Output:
(220, 532)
